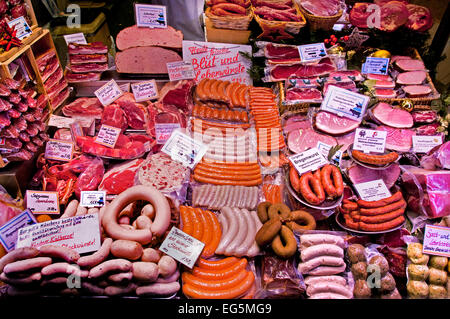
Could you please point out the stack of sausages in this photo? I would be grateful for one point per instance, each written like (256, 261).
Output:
(374, 216)
(227, 94)
(218, 196)
(205, 111)
(228, 173)
(228, 7)
(231, 148)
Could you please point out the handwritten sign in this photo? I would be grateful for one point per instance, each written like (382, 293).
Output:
(369, 140)
(21, 26)
(78, 38)
(108, 135)
(92, 198)
(312, 52)
(436, 240)
(182, 247)
(373, 190)
(42, 202)
(375, 66)
(8, 231)
(125, 87)
(60, 121)
(424, 143)
(150, 16)
(220, 61)
(163, 131)
(81, 233)
(345, 103)
(108, 93)
(308, 161)
(145, 91)
(59, 150)
(180, 70)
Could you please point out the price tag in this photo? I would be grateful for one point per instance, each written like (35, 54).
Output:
(59, 150)
(145, 91)
(60, 121)
(78, 38)
(150, 16)
(76, 130)
(375, 66)
(325, 150)
(8, 231)
(108, 93)
(42, 202)
(423, 144)
(21, 26)
(108, 135)
(163, 131)
(2, 141)
(180, 70)
(125, 87)
(369, 140)
(345, 103)
(312, 52)
(92, 198)
(373, 190)
(182, 247)
(436, 240)
(308, 161)
(80, 233)
(182, 148)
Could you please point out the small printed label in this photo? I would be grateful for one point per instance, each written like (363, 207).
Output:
(21, 26)
(78, 38)
(345, 103)
(150, 16)
(163, 131)
(325, 150)
(108, 135)
(125, 87)
(180, 70)
(424, 143)
(92, 198)
(373, 190)
(375, 66)
(145, 91)
(182, 247)
(308, 161)
(60, 121)
(80, 233)
(8, 231)
(182, 148)
(108, 93)
(59, 150)
(76, 130)
(2, 141)
(42, 202)
(369, 141)
(312, 52)
(436, 240)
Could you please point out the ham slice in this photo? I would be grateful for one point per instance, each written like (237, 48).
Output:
(145, 60)
(410, 65)
(87, 58)
(82, 77)
(417, 90)
(385, 114)
(385, 93)
(334, 125)
(412, 77)
(303, 94)
(89, 67)
(142, 37)
(90, 48)
(360, 174)
(397, 139)
(302, 139)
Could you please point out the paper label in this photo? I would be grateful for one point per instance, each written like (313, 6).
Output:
(60, 121)
(182, 247)
(150, 16)
(182, 148)
(423, 144)
(108, 93)
(59, 150)
(373, 190)
(42, 202)
(8, 231)
(2, 141)
(78, 38)
(163, 131)
(145, 91)
(92, 198)
(369, 140)
(21, 26)
(436, 240)
(309, 160)
(221, 61)
(108, 135)
(81, 233)
(180, 70)
(76, 130)
(312, 52)
(345, 103)
(375, 66)
(125, 87)
(325, 150)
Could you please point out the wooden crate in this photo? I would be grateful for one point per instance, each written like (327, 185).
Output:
(225, 35)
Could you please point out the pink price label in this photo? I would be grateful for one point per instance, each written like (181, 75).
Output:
(108, 135)
(59, 150)
(42, 202)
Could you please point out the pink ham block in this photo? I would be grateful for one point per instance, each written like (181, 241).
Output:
(386, 114)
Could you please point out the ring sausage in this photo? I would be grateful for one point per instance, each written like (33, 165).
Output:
(221, 273)
(375, 159)
(314, 196)
(401, 204)
(98, 256)
(294, 178)
(382, 202)
(334, 186)
(214, 284)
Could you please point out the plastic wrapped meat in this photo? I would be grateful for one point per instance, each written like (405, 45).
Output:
(91, 177)
(437, 158)
(9, 207)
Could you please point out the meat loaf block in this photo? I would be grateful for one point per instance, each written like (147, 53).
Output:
(141, 37)
(145, 60)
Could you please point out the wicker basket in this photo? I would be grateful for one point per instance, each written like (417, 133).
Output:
(320, 23)
(230, 22)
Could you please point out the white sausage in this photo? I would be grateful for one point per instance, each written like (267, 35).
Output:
(59, 268)
(321, 250)
(327, 270)
(225, 225)
(311, 280)
(158, 289)
(328, 295)
(71, 209)
(255, 249)
(230, 234)
(240, 236)
(27, 264)
(65, 253)
(309, 265)
(18, 254)
(110, 265)
(81, 210)
(21, 281)
(329, 287)
(249, 239)
(308, 240)
(97, 257)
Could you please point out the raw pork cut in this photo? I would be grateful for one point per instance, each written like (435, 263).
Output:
(419, 19)
(417, 90)
(387, 115)
(44, 58)
(397, 139)
(302, 139)
(54, 79)
(84, 107)
(437, 158)
(296, 122)
(90, 178)
(281, 51)
(382, 84)
(114, 115)
(87, 59)
(378, 77)
(5, 105)
(411, 77)
(322, 8)
(345, 76)
(333, 124)
(82, 77)
(345, 140)
(360, 174)
(306, 94)
(60, 98)
(90, 48)
(89, 67)
(135, 36)
(178, 95)
(430, 129)
(136, 114)
(120, 177)
(283, 72)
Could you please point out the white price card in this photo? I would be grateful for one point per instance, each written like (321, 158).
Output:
(309, 160)
(375, 66)
(80, 233)
(150, 16)
(92, 198)
(312, 52)
(183, 148)
(42, 202)
(78, 38)
(182, 247)
(9, 230)
(345, 103)
(424, 143)
(145, 91)
(373, 190)
(325, 150)
(108, 93)
(125, 87)
(108, 135)
(436, 240)
(21, 26)
(369, 140)
(59, 150)
(180, 70)
(163, 131)
(60, 121)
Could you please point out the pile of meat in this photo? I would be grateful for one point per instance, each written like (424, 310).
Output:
(276, 10)
(22, 130)
(322, 8)
(13, 9)
(228, 8)
(86, 62)
(147, 51)
(412, 76)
